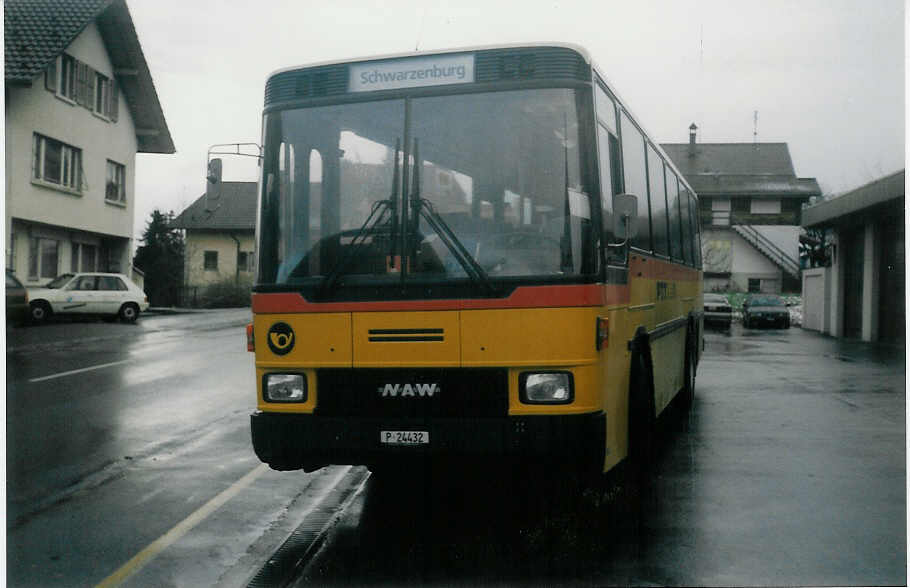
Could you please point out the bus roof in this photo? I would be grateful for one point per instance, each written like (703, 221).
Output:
(577, 48)
(580, 50)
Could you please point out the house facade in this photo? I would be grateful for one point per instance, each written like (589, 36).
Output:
(219, 240)
(853, 284)
(80, 103)
(749, 207)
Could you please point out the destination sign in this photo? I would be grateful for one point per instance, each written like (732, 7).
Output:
(414, 72)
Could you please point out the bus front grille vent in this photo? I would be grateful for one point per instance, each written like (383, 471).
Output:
(405, 335)
(526, 64)
(309, 83)
(413, 392)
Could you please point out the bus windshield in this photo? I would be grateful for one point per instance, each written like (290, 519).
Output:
(426, 190)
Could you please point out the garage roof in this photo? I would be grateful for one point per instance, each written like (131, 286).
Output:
(879, 192)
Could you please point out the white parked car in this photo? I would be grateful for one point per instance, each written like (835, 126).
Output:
(112, 295)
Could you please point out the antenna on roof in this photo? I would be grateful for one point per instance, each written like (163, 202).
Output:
(755, 127)
(423, 16)
(699, 115)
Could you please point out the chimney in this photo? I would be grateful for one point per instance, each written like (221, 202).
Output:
(692, 130)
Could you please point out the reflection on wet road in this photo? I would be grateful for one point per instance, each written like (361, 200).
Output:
(790, 470)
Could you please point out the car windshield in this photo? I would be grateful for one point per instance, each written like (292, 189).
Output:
(59, 281)
(715, 299)
(766, 301)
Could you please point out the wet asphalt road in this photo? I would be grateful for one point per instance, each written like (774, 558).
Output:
(122, 438)
(789, 470)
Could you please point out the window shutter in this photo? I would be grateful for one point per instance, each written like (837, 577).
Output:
(77, 74)
(85, 93)
(50, 76)
(114, 100)
(89, 87)
(80, 83)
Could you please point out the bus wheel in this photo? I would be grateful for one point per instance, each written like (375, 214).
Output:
(641, 415)
(688, 391)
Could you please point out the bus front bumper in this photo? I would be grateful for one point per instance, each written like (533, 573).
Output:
(305, 441)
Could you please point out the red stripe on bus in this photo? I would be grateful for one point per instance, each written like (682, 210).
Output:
(522, 297)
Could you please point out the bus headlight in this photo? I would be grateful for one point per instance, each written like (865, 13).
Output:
(284, 388)
(546, 388)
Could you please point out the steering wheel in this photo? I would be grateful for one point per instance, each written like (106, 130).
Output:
(500, 249)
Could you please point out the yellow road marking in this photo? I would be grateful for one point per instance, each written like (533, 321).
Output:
(157, 546)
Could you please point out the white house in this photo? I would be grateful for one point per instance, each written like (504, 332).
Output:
(219, 245)
(749, 202)
(80, 103)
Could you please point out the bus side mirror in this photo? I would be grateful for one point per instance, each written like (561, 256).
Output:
(213, 179)
(625, 215)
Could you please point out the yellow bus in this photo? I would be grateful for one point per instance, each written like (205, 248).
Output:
(472, 254)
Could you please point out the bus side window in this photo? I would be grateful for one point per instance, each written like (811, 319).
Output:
(609, 174)
(673, 215)
(611, 181)
(633, 157)
(696, 228)
(687, 236)
(658, 193)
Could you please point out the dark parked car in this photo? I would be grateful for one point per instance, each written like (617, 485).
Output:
(760, 310)
(718, 310)
(16, 300)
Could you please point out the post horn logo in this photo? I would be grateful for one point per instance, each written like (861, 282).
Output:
(281, 338)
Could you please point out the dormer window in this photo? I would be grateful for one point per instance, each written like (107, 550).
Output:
(78, 82)
(67, 87)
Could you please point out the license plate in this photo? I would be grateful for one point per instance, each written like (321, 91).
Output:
(404, 437)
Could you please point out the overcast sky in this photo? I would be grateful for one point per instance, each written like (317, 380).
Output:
(826, 77)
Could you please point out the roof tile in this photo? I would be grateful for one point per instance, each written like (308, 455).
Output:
(36, 31)
(234, 209)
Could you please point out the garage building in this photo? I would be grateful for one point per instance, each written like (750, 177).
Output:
(856, 289)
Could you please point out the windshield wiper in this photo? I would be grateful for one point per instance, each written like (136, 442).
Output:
(377, 213)
(421, 207)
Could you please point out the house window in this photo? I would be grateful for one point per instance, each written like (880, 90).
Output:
(67, 85)
(245, 260)
(115, 188)
(754, 285)
(102, 94)
(81, 84)
(57, 163)
(210, 260)
(42, 258)
(757, 206)
(84, 258)
(720, 212)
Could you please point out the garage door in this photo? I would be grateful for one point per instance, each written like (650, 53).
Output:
(813, 301)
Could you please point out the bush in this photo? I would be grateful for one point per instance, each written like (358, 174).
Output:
(226, 294)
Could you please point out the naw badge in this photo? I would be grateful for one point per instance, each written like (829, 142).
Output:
(280, 338)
